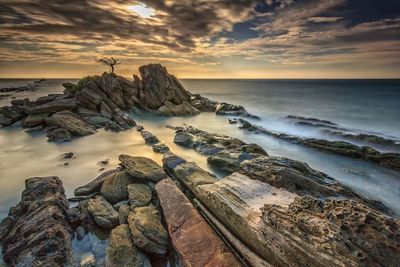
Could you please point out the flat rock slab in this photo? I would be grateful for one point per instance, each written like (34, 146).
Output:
(103, 212)
(142, 168)
(193, 239)
(121, 252)
(40, 234)
(147, 230)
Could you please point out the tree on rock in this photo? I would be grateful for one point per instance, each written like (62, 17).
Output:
(109, 62)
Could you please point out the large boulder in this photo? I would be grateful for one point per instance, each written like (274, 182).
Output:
(71, 122)
(147, 231)
(114, 187)
(184, 109)
(139, 195)
(95, 185)
(158, 86)
(142, 168)
(40, 234)
(103, 212)
(121, 252)
(53, 106)
(193, 239)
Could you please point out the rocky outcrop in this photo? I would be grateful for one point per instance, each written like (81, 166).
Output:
(121, 252)
(40, 234)
(389, 160)
(233, 110)
(71, 122)
(142, 168)
(192, 237)
(158, 86)
(147, 231)
(287, 226)
(102, 212)
(184, 109)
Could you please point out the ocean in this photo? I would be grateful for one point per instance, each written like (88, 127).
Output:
(364, 106)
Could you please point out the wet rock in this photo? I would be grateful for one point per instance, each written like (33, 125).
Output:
(68, 155)
(184, 139)
(121, 250)
(113, 126)
(160, 148)
(139, 128)
(103, 212)
(5, 121)
(80, 232)
(34, 120)
(5, 227)
(120, 204)
(184, 109)
(95, 185)
(139, 195)
(142, 168)
(158, 86)
(123, 213)
(192, 237)
(53, 106)
(39, 223)
(149, 138)
(96, 121)
(147, 231)
(89, 260)
(170, 161)
(71, 122)
(232, 110)
(59, 135)
(202, 104)
(233, 121)
(114, 187)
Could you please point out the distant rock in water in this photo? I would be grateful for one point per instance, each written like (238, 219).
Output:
(108, 101)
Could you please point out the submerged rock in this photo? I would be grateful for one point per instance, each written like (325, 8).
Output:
(192, 237)
(147, 231)
(40, 234)
(103, 212)
(121, 252)
(142, 168)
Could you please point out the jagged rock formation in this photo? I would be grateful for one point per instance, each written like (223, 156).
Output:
(389, 160)
(107, 101)
(40, 233)
(288, 227)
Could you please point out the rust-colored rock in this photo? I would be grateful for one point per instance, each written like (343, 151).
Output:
(192, 237)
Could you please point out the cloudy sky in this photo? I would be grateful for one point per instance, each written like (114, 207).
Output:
(199, 38)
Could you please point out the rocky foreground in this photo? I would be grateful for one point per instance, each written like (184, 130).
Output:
(268, 211)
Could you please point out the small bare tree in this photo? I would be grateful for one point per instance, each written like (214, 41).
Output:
(109, 62)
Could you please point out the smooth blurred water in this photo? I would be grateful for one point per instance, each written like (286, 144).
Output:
(365, 105)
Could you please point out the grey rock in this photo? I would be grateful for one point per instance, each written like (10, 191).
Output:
(139, 195)
(103, 212)
(114, 187)
(95, 185)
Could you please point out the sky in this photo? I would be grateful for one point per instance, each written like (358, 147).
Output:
(202, 39)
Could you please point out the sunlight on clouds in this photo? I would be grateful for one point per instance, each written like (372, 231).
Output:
(142, 10)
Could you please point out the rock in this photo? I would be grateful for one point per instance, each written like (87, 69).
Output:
(40, 234)
(139, 195)
(139, 128)
(190, 174)
(102, 212)
(5, 121)
(229, 109)
(171, 161)
(103, 162)
(121, 251)
(184, 109)
(59, 135)
(88, 260)
(160, 148)
(53, 106)
(68, 155)
(123, 214)
(233, 121)
(80, 232)
(159, 86)
(114, 187)
(96, 121)
(34, 120)
(202, 104)
(142, 168)
(149, 138)
(184, 139)
(147, 231)
(105, 110)
(113, 126)
(5, 227)
(120, 204)
(95, 185)
(71, 122)
(192, 237)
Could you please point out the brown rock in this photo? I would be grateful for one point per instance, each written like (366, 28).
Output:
(193, 239)
(142, 168)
